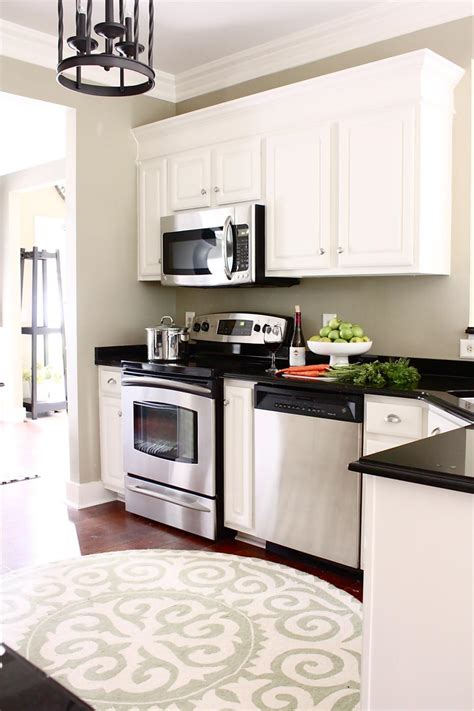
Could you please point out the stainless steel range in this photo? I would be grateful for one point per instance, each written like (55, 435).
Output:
(172, 422)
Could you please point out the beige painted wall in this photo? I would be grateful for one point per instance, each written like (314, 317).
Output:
(112, 307)
(417, 316)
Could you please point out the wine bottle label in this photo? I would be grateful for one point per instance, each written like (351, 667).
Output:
(297, 355)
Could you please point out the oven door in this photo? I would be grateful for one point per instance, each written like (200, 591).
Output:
(169, 432)
(197, 248)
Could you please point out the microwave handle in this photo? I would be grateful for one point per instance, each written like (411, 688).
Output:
(225, 255)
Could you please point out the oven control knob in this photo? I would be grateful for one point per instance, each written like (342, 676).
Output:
(267, 328)
(197, 327)
(256, 327)
(205, 326)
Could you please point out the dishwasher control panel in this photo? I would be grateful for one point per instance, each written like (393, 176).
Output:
(328, 406)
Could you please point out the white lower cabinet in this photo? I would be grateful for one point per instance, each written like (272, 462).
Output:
(110, 422)
(439, 421)
(391, 421)
(239, 455)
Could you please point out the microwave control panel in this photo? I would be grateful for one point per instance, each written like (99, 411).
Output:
(239, 327)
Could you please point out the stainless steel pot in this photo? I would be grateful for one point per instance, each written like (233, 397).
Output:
(167, 342)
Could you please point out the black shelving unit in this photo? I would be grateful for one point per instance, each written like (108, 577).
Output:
(39, 258)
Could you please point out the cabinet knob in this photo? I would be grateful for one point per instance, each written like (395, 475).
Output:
(120, 413)
(340, 250)
(203, 191)
(216, 189)
(226, 402)
(322, 251)
(111, 381)
(437, 430)
(393, 418)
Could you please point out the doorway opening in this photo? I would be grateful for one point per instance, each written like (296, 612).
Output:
(33, 293)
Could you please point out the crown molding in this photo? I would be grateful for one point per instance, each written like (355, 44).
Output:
(40, 48)
(359, 29)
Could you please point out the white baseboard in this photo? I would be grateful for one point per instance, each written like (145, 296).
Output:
(13, 415)
(92, 493)
(251, 540)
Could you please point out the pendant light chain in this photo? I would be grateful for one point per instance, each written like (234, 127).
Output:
(60, 30)
(122, 49)
(151, 31)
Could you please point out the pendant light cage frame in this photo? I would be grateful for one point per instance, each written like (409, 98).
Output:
(122, 49)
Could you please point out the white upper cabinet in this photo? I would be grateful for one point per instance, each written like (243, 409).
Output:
(189, 179)
(237, 171)
(354, 168)
(229, 172)
(377, 160)
(298, 200)
(152, 205)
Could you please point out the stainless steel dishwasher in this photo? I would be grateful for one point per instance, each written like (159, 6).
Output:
(305, 498)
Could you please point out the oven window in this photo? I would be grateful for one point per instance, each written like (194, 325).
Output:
(191, 252)
(165, 431)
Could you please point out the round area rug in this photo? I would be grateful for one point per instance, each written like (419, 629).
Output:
(181, 630)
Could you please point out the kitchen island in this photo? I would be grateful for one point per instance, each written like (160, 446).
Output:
(418, 521)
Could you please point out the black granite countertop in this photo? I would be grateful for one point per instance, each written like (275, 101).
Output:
(437, 461)
(445, 461)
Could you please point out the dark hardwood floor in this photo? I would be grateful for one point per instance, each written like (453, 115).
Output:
(37, 526)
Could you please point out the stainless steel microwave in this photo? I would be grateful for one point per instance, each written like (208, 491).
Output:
(223, 247)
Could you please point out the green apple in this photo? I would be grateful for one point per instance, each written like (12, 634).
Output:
(340, 340)
(333, 334)
(326, 340)
(324, 331)
(315, 338)
(365, 339)
(334, 323)
(346, 333)
(357, 330)
(345, 324)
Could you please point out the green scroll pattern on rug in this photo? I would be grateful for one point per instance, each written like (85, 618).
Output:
(179, 630)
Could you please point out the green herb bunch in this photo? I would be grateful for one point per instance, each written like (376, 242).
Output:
(398, 374)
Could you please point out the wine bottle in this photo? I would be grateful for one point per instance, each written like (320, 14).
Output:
(298, 344)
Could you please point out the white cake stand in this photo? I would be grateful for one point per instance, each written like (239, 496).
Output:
(339, 352)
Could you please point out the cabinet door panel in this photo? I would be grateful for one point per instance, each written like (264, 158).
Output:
(376, 190)
(151, 206)
(237, 171)
(238, 458)
(298, 195)
(189, 180)
(111, 454)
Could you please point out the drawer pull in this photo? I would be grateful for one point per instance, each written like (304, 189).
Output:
(437, 430)
(226, 403)
(111, 381)
(394, 419)
(120, 413)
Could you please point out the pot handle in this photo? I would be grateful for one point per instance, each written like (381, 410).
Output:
(171, 320)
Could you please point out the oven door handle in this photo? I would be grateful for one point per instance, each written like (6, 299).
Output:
(172, 384)
(195, 505)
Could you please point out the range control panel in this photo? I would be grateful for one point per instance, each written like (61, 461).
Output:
(237, 327)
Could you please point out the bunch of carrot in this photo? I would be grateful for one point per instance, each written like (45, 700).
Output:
(311, 371)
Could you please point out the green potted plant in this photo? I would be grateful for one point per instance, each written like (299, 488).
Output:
(50, 384)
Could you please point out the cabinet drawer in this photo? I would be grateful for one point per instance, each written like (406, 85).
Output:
(110, 381)
(394, 419)
(372, 445)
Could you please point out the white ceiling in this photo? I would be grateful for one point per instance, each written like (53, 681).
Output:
(33, 132)
(189, 33)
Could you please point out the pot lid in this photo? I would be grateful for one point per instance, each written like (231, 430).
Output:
(170, 326)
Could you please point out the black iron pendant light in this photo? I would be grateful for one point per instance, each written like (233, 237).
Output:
(122, 54)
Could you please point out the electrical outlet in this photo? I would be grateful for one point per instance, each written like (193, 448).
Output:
(327, 318)
(466, 349)
(188, 318)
